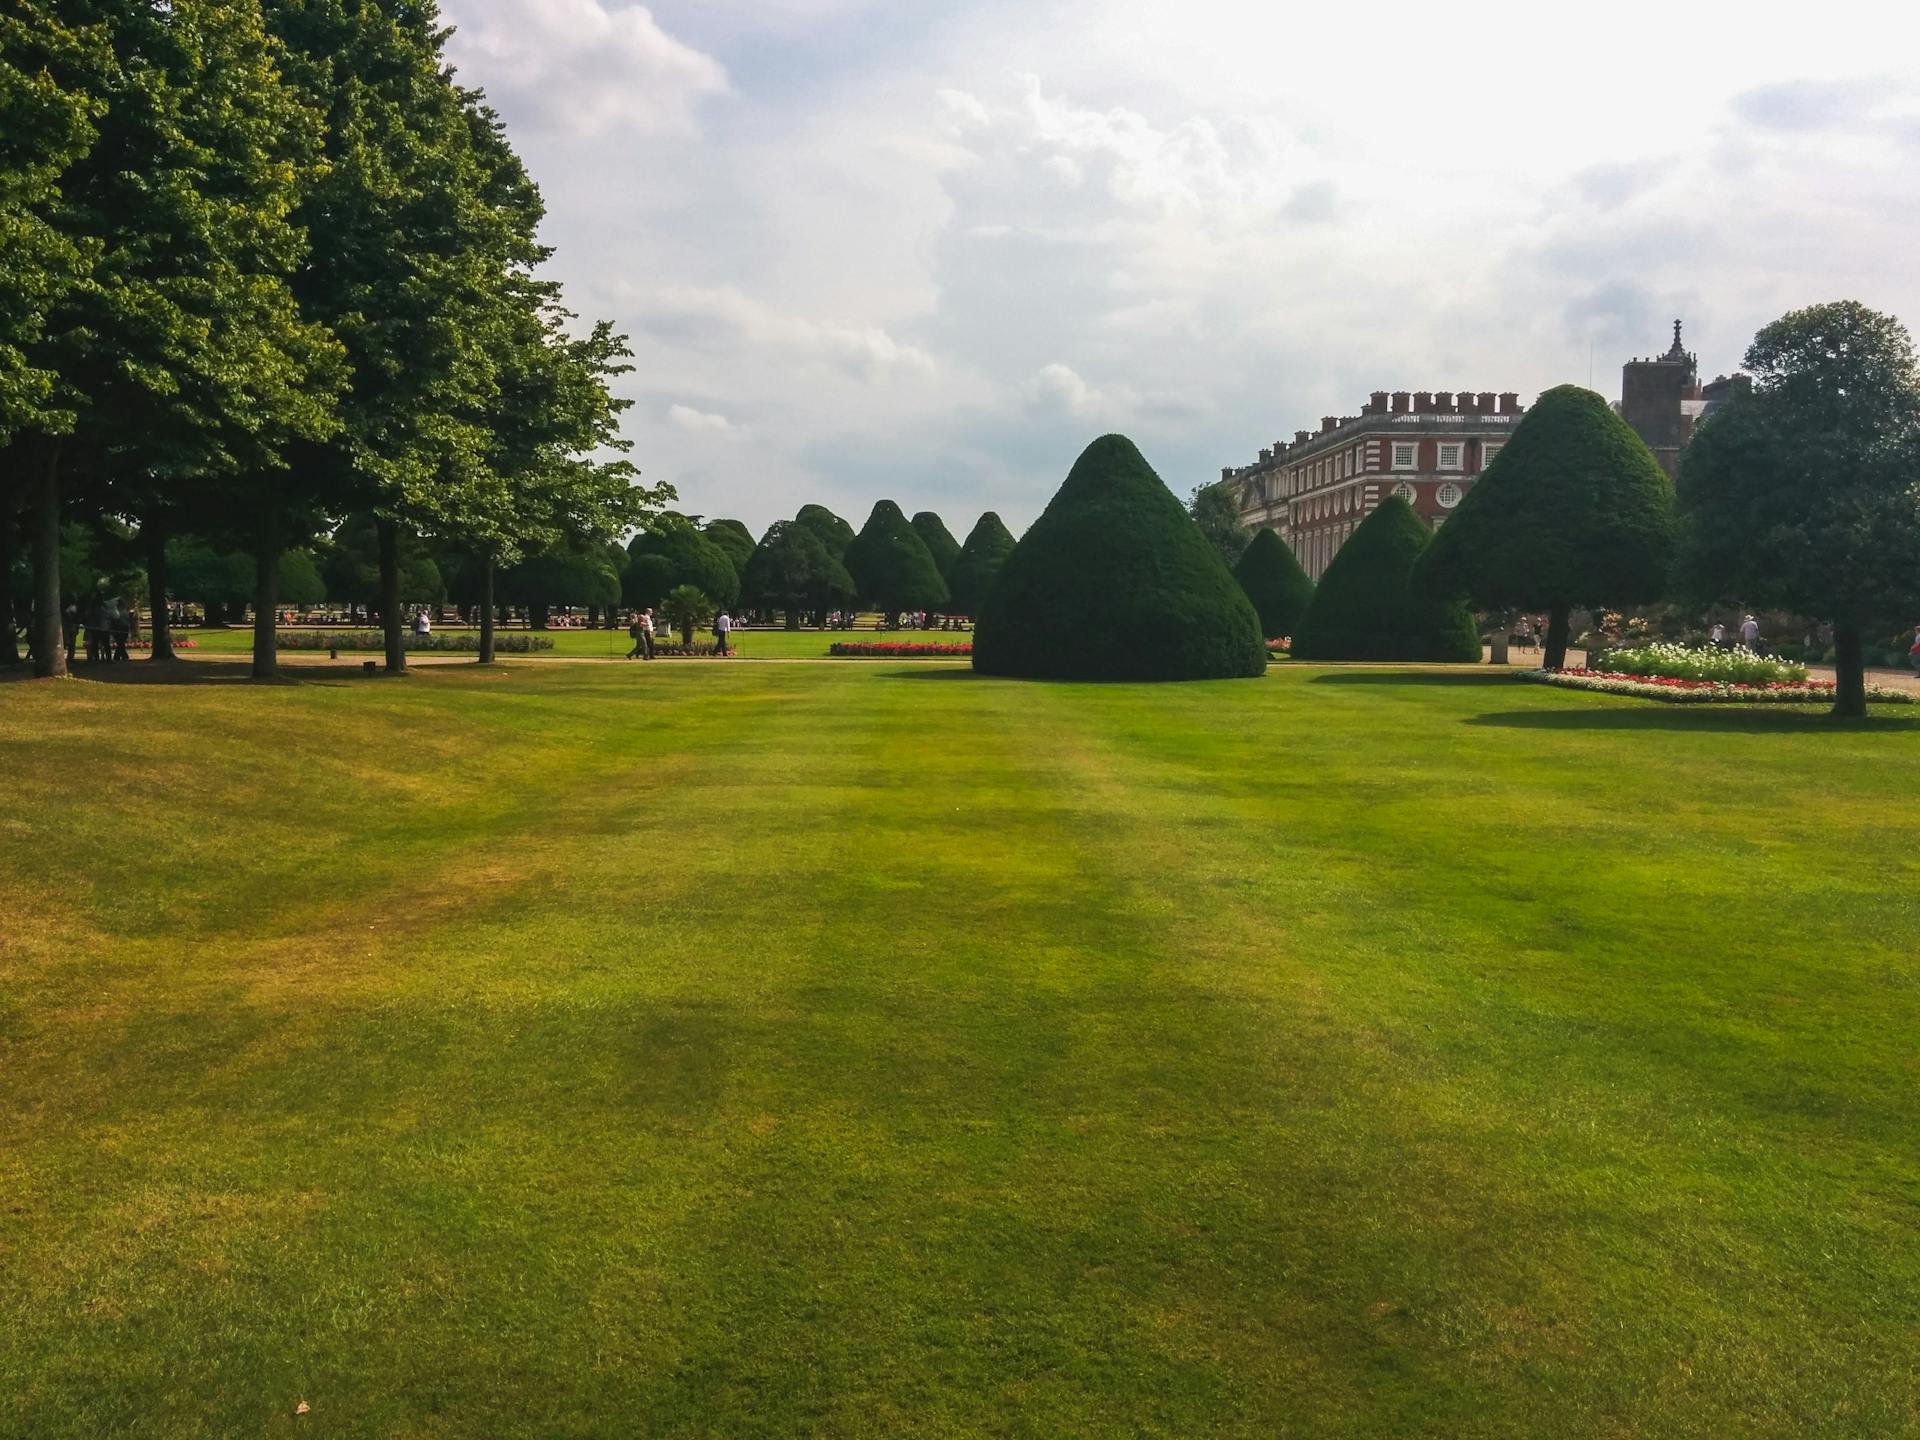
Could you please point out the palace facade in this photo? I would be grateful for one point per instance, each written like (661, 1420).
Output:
(1426, 446)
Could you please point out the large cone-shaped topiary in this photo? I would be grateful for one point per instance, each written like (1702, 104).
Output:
(890, 564)
(1274, 581)
(981, 558)
(939, 540)
(1574, 511)
(1115, 582)
(1366, 607)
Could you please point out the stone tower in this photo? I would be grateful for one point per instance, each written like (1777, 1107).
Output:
(1661, 398)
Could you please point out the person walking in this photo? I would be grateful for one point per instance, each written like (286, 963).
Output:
(637, 633)
(722, 627)
(120, 627)
(1750, 632)
(646, 633)
(99, 631)
(69, 629)
(1913, 651)
(1718, 635)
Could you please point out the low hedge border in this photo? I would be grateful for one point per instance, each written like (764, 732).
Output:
(518, 643)
(1705, 692)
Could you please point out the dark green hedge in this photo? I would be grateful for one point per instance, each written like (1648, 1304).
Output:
(981, 558)
(890, 564)
(1116, 582)
(939, 540)
(1276, 584)
(1366, 607)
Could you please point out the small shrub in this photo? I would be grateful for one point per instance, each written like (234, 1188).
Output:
(463, 642)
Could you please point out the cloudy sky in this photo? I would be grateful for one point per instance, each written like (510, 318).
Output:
(877, 248)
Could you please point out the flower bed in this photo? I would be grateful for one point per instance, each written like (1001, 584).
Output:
(468, 642)
(1734, 664)
(898, 650)
(674, 650)
(1675, 690)
(1280, 649)
(178, 644)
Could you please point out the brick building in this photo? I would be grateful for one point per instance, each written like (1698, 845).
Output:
(1428, 446)
(1662, 399)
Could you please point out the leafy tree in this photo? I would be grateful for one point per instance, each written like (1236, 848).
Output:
(687, 607)
(1366, 606)
(793, 571)
(1803, 494)
(978, 564)
(419, 223)
(734, 539)
(939, 541)
(180, 356)
(350, 566)
(671, 553)
(890, 565)
(581, 573)
(1573, 511)
(1116, 582)
(1217, 514)
(1275, 582)
(835, 533)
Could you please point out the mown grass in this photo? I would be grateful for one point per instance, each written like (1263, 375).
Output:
(885, 1051)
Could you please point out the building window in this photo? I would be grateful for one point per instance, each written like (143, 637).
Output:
(1487, 451)
(1404, 491)
(1448, 495)
(1404, 453)
(1450, 456)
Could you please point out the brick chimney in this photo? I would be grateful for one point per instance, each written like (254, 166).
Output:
(1509, 402)
(1400, 402)
(1300, 437)
(1468, 406)
(1265, 456)
(1226, 472)
(1484, 402)
(1376, 403)
(1443, 402)
(1423, 402)
(1329, 422)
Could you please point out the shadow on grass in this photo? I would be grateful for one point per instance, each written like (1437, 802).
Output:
(1390, 676)
(206, 672)
(1653, 715)
(924, 671)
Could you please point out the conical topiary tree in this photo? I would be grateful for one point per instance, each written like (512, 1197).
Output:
(891, 567)
(1274, 581)
(1116, 582)
(1367, 608)
(792, 570)
(835, 533)
(939, 541)
(1573, 511)
(973, 574)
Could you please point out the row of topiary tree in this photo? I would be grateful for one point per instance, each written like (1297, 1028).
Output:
(268, 265)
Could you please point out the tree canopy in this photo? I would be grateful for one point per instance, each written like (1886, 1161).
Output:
(1802, 494)
(835, 533)
(1366, 606)
(791, 570)
(734, 540)
(978, 564)
(1573, 511)
(671, 553)
(1116, 582)
(1217, 513)
(939, 541)
(890, 565)
(1275, 582)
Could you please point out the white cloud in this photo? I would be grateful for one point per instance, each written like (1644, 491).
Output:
(723, 318)
(583, 66)
(700, 421)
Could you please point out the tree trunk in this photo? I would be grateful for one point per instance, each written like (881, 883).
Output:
(266, 594)
(686, 634)
(154, 534)
(1559, 621)
(793, 619)
(1850, 673)
(49, 650)
(9, 641)
(486, 610)
(390, 621)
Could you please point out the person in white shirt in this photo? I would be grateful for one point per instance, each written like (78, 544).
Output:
(1749, 632)
(722, 626)
(1719, 634)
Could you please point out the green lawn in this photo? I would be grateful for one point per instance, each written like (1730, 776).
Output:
(880, 1051)
(584, 644)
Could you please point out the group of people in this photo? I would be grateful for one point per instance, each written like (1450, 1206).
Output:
(641, 630)
(1749, 634)
(107, 624)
